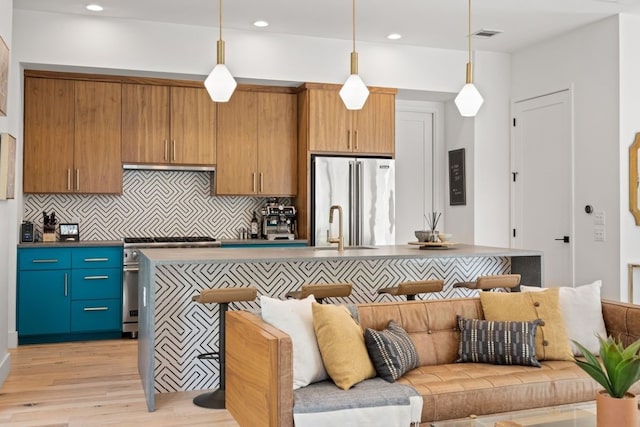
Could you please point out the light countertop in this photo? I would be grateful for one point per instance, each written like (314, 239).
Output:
(216, 255)
(70, 244)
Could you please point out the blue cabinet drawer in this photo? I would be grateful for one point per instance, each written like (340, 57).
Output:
(44, 259)
(102, 283)
(96, 315)
(97, 257)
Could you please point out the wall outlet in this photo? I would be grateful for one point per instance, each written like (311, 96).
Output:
(598, 234)
(599, 218)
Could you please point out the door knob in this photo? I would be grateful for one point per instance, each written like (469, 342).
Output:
(565, 239)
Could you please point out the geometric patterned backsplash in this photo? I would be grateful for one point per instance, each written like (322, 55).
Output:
(152, 203)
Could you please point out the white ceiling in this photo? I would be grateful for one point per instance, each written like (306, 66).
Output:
(433, 23)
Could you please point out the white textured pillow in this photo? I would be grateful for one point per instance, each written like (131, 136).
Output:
(582, 312)
(295, 318)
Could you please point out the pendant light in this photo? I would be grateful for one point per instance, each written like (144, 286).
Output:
(220, 83)
(469, 99)
(354, 92)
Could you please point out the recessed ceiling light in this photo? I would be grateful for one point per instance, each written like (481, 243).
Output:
(394, 36)
(94, 8)
(261, 24)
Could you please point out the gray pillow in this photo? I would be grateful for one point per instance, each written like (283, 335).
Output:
(499, 343)
(391, 351)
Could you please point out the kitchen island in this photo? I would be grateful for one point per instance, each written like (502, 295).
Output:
(173, 330)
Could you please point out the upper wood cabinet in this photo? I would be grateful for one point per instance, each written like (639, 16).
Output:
(168, 125)
(334, 129)
(72, 136)
(257, 144)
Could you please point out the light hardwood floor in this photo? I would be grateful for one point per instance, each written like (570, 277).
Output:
(94, 383)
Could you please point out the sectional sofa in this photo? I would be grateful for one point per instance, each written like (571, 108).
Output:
(259, 364)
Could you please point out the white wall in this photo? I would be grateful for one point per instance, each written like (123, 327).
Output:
(587, 60)
(8, 210)
(629, 126)
(54, 41)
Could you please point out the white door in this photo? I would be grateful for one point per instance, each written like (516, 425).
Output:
(542, 184)
(414, 173)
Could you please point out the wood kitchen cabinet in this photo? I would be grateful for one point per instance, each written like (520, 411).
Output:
(331, 128)
(168, 125)
(257, 144)
(72, 136)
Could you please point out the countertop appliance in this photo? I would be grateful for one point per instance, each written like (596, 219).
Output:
(364, 188)
(279, 222)
(131, 266)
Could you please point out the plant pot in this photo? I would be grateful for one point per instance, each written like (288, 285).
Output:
(616, 412)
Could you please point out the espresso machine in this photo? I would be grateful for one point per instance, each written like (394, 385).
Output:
(279, 222)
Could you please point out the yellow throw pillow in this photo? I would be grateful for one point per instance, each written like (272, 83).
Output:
(552, 342)
(342, 347)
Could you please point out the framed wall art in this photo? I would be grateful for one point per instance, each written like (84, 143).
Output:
(7, 166)
(4, 76)
(457, 184)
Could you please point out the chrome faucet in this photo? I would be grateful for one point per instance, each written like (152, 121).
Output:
(340, 239)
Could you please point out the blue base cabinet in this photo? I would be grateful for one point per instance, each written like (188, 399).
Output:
(67, 294)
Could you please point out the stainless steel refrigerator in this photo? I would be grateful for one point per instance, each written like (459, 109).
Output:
(365, 188)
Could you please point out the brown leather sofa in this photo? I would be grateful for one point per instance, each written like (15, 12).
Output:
(259, 365)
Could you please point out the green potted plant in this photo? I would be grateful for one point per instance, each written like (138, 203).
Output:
(617, 370)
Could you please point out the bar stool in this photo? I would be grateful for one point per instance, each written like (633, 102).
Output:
(411, 289)
(320, 291)
(222, 296)
(488, 283)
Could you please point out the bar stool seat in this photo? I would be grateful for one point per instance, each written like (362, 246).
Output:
(487, 283)
(411, 289)
(222, 296)
(320, 291)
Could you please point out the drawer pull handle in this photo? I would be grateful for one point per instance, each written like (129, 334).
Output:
(96, 259)
(44, 261)
(66, 285)
(96, 308)
(96, 277)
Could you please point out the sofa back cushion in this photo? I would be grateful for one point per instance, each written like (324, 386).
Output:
(431, 325)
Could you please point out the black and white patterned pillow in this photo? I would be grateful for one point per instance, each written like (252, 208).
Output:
(500, 343)
(391, 351)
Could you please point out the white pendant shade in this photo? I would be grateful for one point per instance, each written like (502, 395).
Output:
(354, 93)
(220, 84)
(469, 100)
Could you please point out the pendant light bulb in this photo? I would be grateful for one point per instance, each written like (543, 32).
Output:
(469, 99)
(220, 83)
(354, 92)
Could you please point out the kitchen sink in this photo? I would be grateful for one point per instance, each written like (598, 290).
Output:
(346, 248)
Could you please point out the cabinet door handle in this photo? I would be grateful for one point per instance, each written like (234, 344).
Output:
(173, 150)
(96, 277)
(253, 182)
(166, 150)
(68, 179)
(96, 259)
(66, 284)
(95, 309)
(77, 179)
(356, 140)
(261, 182)
(44, 261)
(348, 140)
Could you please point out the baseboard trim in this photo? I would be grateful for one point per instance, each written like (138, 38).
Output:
(12, 339)
(5, 367)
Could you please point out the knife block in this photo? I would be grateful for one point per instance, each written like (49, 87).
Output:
(49, 236)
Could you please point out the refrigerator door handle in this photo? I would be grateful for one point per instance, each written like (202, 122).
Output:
(359, 204)
(352, 204)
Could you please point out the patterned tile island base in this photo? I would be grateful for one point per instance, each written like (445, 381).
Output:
(174, 330)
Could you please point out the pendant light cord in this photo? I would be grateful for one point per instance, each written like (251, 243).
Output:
(469, 32)
(353, 18)
(220, 18)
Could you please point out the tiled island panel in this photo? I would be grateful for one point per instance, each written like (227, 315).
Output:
(184, 329)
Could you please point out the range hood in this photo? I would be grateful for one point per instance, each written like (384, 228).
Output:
(162, 167)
